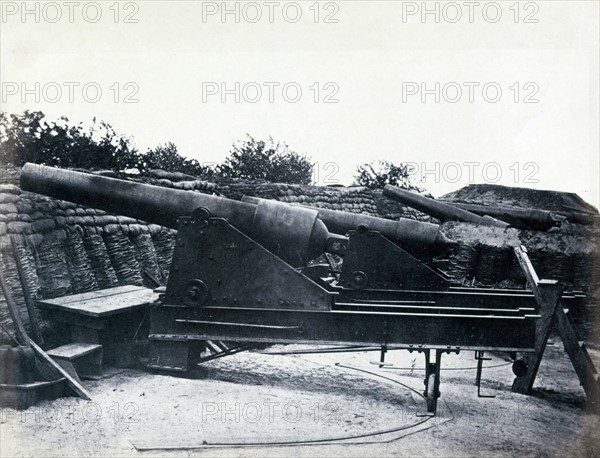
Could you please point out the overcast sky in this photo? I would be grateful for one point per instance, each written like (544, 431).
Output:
(370, 60)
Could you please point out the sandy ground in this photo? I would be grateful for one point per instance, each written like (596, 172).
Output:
(247, 404)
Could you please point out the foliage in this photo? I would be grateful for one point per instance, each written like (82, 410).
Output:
(31, 138)
(168, 158)
(377, 175)
(266, 160)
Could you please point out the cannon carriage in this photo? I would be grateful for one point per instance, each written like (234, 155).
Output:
(242, 272)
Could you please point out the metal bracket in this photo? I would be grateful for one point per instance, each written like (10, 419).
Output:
(384, 350)
(216, 265)
(479, 356)
(374, 262)
(432, 381)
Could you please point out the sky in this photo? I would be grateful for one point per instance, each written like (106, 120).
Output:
(467, 92)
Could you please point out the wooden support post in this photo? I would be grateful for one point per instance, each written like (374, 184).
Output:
(527, 267)
(33, 315)
(548, 296)
(14, 312)
(588, 376)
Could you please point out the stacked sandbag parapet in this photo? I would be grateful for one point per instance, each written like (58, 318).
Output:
(569, 253)
(354, 199)
(173, 180)
(67, 249)
(483, 256)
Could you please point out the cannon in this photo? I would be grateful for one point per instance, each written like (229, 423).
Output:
(403, 230)
(530, 218)
(239, 275)
(437, 209)
(489, 215)
(297, 234)
(521, 218)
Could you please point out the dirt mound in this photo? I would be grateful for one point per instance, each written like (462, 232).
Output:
(490, 194)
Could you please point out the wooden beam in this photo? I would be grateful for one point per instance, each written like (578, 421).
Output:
(548, 297)
(74, 384)
(527, 267)
(586, 371)
(26, 340)
(13, 311)
(29, 302)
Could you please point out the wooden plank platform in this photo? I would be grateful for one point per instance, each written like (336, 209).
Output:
(73, 351)
(104, 302)
(97, 294)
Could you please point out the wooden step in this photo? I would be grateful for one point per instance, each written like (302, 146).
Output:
(79, 359)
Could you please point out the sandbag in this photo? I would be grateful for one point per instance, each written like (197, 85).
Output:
(122, 257)
(78, 262)
(100, 264)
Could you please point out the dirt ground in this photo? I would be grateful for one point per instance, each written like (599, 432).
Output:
(253, 404)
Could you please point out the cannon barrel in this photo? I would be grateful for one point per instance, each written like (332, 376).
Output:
(437, 209)
(533, 218)
(403, 230)
(295, 234)
(525, 218)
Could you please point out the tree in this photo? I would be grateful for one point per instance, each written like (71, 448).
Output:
(30, 137)
(164, 157)
(266, 160)
(377, 175)
(168, 158)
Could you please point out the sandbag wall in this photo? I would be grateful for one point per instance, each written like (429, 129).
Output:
(68, 249)
(484, 256)
(569, 253)
(354, 199)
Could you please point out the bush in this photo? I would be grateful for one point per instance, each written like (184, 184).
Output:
(269, 161)
(376, 175)
(31, 138)
(168, 158)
